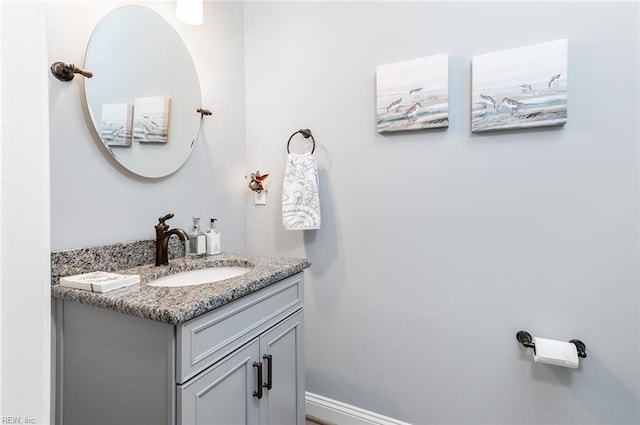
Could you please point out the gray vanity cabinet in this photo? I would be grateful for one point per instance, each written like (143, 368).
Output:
(284, 345)
(116, 368)
(259, 383)
(222, 393)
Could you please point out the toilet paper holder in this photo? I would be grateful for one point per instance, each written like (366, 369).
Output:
(526, 340)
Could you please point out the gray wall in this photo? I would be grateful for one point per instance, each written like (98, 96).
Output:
(437, 246)
(93, 199)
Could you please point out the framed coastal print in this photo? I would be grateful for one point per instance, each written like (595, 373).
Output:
(520, 88)
(413, 95)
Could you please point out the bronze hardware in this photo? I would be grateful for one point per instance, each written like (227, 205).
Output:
(269, 359)
(258, 392)
(203, 112)
(66, 72)
(580, 348)
(162, 239)
(526, 340)
(306, 133)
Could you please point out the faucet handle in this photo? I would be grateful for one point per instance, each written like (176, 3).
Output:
(161, 220)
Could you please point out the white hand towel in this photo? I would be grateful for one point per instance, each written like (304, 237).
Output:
(300, 193)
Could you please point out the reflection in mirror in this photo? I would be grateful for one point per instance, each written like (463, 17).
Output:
(144, 93)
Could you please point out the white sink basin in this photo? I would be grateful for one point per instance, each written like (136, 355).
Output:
(199, 277)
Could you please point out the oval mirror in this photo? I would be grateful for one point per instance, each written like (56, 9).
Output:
(144, 93)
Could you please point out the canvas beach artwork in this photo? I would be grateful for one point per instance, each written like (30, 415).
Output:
(116, 122)
(413, 95)
(151, 119)
(520, 88)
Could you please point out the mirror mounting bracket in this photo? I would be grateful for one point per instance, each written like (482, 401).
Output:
(66, 72)
(203, 112)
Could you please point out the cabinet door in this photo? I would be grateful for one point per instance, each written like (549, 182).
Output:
(281, 351)
(224, 393)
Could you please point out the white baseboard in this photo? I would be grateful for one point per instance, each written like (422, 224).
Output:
(339, 413)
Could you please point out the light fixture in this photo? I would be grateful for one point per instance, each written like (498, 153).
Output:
(189, 11)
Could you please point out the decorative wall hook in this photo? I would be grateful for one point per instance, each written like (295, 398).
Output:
(203, 112)
(66, 72)
(256, 181)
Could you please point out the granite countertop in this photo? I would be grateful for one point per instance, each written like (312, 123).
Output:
(179, 304)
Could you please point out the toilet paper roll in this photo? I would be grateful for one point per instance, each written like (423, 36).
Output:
(559, 353)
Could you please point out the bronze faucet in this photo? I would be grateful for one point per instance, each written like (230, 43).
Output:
(162, 239)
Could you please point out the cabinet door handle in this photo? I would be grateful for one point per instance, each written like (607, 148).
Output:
(258, 392)
(269, 359)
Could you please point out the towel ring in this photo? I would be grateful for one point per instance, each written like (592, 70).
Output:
(306, 133)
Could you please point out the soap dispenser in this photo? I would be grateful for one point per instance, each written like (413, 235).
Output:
(213, 239)
(196, 245)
